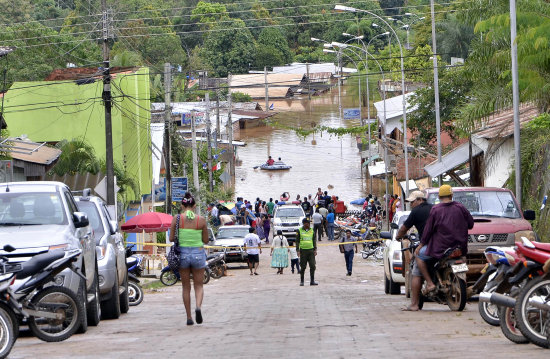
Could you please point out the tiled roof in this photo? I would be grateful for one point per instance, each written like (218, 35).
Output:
(501, 124)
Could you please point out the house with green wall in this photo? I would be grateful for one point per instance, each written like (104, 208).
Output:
(69, 105)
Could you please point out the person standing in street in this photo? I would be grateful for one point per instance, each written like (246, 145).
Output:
(305, 241)
(420, 211)
(330, 226)
(267, 227)
(306, 206)
(279, 252)
(214, 214)
(270, 206)
(253, 249)
(192, 236)
(317, 224)
(324, 212)
(348, 250)
(294, 260)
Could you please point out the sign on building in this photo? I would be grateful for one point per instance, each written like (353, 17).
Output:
(179, 187)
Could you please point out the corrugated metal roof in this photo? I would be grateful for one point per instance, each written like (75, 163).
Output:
(394, 111)
(452, 159)
(501, 124)
(33, 152)
(254, 84)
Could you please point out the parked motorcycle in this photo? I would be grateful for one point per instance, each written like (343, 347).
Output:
(449, 276)
(135, 291)
(52, 313)
(215, 266)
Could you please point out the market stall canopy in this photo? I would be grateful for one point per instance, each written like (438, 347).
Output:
(148, 222)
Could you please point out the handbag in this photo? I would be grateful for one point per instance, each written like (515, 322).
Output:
(173, 256)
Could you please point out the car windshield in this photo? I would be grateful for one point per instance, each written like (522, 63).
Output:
(484, 203)
(93, 216)
(225, 233)
(290, 212)
(31, 209)
(402, 219)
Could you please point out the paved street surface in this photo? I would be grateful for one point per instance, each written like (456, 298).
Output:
(270, 316)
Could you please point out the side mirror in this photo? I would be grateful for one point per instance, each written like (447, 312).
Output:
(529, 215)
(80, 219)
(113, 225)
(394, 226)
(385, 235)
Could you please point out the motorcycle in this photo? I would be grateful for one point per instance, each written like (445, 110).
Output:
(510, 286)
(532, 305)
(135, 291)
(51, 312)
(215, 266)
(449, 276)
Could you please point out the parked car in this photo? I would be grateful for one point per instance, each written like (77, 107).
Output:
(230, 240)
(288, 218)
(393, 257)
(498, 220)
(36, 217)
(111, 257)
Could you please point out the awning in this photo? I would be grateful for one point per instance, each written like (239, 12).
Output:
(372, 158)
(452, 159)
(378, 168)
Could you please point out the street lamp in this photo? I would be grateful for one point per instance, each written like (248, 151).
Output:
(405, 145)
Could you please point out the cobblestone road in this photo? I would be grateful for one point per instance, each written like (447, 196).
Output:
(270, 316)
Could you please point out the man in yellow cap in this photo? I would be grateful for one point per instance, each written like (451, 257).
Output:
(447, 227)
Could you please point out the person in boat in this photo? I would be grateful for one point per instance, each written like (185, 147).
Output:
(270, 161)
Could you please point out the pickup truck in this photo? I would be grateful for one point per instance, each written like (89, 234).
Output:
(39, 216)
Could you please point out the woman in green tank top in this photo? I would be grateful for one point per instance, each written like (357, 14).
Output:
(191, 237)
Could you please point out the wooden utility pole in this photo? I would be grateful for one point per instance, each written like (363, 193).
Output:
(209, 142)
(167, 144)
(230, 130)
(107, 102)
(266, 90)
(196, 183)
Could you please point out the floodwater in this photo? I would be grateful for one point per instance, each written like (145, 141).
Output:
(319, 160)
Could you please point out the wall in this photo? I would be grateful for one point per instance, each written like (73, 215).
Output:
(498, 165)
(51, 111)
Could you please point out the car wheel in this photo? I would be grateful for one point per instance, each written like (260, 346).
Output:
(124, 301)
(110, 308)
(386, 285)
(93, 310)
(395, 288)
(82, 298)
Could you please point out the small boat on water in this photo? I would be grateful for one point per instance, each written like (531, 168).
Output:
(275, 167)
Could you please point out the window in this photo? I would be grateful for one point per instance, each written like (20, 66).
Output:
(31, 209)
(484, 203)
(290, 212)
(225, 233)
(93, 216)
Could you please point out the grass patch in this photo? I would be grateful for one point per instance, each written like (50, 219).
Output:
(153, 285)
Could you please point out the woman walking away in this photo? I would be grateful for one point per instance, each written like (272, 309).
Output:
(267, 228)
(260, 227)
(279, 251)
(192, 235)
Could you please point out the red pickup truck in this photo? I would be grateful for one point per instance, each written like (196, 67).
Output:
(498, 221)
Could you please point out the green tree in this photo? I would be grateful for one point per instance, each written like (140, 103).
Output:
(229, 48)
(209, 14)
(77, 156)
(275, 38)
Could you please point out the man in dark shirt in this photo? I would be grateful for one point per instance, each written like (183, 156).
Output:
(446, 227)
(418, 217)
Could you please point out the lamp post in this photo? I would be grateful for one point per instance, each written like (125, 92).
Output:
(405, 145)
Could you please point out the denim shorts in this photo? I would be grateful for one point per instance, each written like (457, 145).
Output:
(426, 258)
(192, 257)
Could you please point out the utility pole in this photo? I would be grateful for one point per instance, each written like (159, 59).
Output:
(308, 82)
(230, 130)
(436, 90)
(218, 124)
(196, 183)
(107, 102)
(209, 142)
(167, 144)
(515, 99)
(266, 90)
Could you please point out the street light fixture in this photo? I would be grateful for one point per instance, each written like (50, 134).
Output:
(405, 144)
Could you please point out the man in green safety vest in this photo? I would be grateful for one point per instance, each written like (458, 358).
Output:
(307, 250)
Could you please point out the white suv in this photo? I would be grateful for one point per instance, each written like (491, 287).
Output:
(288, 218)
(393, 257)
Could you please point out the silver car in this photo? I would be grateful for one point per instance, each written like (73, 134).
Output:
(111, 257)
(36, 217)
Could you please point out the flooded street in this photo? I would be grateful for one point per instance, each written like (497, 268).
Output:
(319, 160)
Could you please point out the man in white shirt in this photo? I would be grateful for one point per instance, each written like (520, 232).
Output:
(252, 246)
(317, 224)
(214, 212)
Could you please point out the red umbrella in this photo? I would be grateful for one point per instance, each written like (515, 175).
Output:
(148, 222)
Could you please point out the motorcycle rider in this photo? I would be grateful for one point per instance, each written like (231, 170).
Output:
(419, 215)
(447, 227)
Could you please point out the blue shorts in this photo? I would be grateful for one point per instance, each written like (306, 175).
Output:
(426, 258)
(192, 257)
